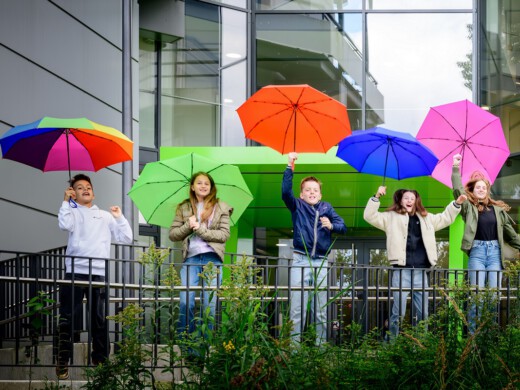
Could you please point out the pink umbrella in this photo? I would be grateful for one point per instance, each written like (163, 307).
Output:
(465, 128)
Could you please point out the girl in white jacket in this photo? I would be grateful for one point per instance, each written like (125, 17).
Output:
(411, 246)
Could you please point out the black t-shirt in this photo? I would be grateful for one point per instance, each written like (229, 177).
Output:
(416, 256)
(487, 225)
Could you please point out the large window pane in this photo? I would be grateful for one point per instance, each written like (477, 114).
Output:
(419, 4)
(500, 66)
(234, 36)
(147, 90)
(414, 65)
(311, 5)
(233, 95)
(320, 50)
(190, 80)
(233, 75)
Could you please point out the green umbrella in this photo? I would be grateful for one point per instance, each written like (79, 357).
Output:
(162, 185)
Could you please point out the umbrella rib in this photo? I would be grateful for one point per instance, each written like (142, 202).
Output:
(234, 186)
(448, 123)
(174, 170)
(165, 199)
(265, 118)
(322, 114)
(421, 160)
(383, 143)
(73, 130)
(482, 129)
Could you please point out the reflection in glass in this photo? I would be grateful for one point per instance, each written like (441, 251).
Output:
(190, 80)
(414, 65)
(147, 90)
(233, 95)
(234, 28)
(500, 66)
(311, 5)
(322, 50)
(419, 4)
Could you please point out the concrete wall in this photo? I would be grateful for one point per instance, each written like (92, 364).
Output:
(60, 58)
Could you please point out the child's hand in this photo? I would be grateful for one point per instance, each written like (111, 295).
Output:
(381, 191)
(457, 159)
(69, 193)
(193, 222)
(325, 222)
(293, 156)
(116, 211)
(461, 199)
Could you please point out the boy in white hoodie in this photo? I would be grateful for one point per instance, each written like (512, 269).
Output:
(91, 232)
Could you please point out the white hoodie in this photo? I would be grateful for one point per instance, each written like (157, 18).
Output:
(91, 232)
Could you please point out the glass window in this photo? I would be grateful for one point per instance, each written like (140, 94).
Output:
(413, 65)
(235, 3)
(233, 95)
(234, 36)
(190, 80)
(308, 5)
(500, 66)
(147, 91)
(419, 4)
(321, 50)
(233, 75)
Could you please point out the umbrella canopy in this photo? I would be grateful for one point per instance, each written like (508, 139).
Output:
(294, 118)
(387, 153)
(56, 144)
(465, 128)
(162, 185)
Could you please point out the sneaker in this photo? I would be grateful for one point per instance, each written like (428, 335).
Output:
(62, 372)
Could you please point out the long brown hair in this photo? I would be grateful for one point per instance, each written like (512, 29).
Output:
(209, 201)
(483, 204)
(398, 208)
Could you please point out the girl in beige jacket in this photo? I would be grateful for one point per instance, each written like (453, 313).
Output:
(202, 224)
(411, 246)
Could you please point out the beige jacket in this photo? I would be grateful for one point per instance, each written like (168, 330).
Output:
(215, 235)
(395, 226)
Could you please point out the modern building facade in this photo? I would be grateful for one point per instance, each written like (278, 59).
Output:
(171, 73)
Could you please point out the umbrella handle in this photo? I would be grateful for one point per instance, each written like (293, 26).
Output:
(73, 204)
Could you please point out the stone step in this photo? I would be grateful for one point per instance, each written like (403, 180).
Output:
(39, 385)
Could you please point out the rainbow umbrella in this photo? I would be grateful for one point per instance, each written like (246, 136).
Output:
(56, 144)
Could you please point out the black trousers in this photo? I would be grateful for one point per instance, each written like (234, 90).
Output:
(71, 311)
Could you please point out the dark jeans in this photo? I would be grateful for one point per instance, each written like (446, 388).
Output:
(71, 311)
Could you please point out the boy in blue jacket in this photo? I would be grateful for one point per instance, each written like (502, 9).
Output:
(313, 224)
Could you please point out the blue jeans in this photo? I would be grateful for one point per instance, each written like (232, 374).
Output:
(484, 265)
(307, 272)
(191, 268)
(402, 280)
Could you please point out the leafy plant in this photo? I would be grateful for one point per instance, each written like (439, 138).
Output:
(38, 307)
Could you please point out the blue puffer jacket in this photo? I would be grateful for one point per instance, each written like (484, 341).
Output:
(310, 237)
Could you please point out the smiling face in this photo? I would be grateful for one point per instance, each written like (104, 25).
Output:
(84, 193)
(310, 192)
(480, 190)
(201, 187)
(408, 202)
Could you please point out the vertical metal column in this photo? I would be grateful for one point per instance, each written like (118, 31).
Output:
(128, 209)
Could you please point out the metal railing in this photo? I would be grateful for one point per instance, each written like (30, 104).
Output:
(355, 294)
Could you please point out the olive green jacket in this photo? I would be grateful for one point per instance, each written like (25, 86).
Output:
(469, 213)
(215, 235)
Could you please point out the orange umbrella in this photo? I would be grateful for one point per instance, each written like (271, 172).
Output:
(294, 118)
